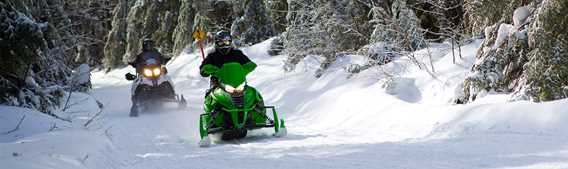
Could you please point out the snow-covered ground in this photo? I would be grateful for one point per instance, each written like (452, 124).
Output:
(368, 120)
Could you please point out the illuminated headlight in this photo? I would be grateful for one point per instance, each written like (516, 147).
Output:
(240, 88)
(152, 72)
(229, 88)
(148, 73)
(157, 71)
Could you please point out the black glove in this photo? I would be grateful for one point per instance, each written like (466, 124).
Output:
(129, 76)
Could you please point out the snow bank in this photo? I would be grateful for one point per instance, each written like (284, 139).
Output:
(416, 104)
(17, 123)
(33, 140)
(521, 117)
(66, 149)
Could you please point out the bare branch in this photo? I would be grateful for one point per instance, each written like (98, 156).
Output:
(93, 118)
(17, 126)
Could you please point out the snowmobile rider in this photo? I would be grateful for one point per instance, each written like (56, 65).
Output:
(224, 53)
(148, 52)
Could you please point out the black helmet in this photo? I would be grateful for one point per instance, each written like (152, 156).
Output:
(223, 41)
(147, 44)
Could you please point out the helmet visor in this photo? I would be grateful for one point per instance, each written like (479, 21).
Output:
(224, 42)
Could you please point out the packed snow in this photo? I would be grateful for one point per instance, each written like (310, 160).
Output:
(392, 116)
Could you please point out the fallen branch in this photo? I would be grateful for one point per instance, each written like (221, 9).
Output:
(53, 127)
(60, 118)
(93, 118)
(17, 126)
(68, 97)
(67, 106)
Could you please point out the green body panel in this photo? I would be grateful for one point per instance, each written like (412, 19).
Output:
(223, 101)
(220, 101)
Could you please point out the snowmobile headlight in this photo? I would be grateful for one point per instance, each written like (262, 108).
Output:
(229, 88)
(148, 73)
(241, 87)
(157, 71)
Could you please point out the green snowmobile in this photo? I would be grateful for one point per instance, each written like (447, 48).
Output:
(233, 108)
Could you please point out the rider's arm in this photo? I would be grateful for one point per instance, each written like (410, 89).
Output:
(201, 72)
(206, 61)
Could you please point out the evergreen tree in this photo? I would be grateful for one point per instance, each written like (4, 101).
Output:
(255, 25)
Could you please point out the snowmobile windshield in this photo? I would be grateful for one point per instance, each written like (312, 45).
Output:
(151, 62)
(233, 74)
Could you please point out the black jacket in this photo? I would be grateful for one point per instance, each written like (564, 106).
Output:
(218, 59)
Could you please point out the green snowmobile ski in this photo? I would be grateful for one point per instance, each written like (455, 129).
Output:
(234, 107)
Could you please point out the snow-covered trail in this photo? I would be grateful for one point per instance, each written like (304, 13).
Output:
(168, 140)
(333, 122)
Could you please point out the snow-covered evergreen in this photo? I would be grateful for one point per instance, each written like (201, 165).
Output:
(397, 25)
(35, 73)
(324, 28)
(254, 26)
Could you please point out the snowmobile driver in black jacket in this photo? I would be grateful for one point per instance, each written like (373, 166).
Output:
(224, 53)
(148, 52)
